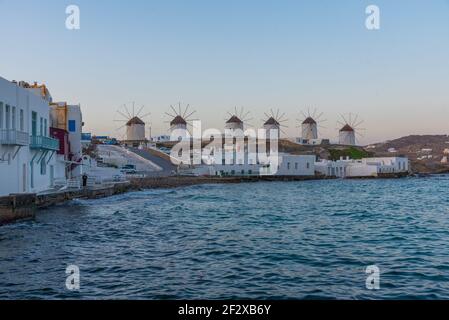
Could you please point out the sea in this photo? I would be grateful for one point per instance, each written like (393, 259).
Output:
(328, 239)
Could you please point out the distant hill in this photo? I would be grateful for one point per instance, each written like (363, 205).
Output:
(424, 151)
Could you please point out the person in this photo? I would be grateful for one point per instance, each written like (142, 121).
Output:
(84, 180)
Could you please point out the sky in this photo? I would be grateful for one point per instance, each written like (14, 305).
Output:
(258, 54)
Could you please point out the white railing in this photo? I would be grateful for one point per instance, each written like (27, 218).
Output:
(14, 137)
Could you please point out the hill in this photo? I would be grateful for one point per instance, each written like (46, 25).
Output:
(424, 151)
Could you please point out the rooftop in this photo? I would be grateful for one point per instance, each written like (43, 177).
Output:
(271, 121)
(309, 120)
(347, 128)
(234, 119)
(178, 120)
(135, 120)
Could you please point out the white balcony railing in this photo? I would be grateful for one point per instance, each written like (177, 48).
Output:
(13, 137)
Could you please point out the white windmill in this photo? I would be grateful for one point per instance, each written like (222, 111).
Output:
(237, 121)
(135, 126)
(349, 129)
(309, 124)
(179, 120)
(274, 121)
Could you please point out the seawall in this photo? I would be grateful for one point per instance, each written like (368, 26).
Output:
(24, 206)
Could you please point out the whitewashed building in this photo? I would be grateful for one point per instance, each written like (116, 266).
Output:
(69, 118)
(366, 167)
(287, 165)
(27, 152)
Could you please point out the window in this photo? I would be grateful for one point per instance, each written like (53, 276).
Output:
(288, 166)
(43, 167)
(7, 117)
(21, 121)
(308, 165)
(296, 166)
(45, 128)
(34, 123)
(13, 118)
(1, 115)
(41, 127)
(32, 175)
(72, 127)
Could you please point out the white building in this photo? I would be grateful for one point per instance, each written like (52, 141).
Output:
(347, 136)
(27, 152)
(287, 165)
(161, 138)
(292, 165)
(69, 118)
(366, 167)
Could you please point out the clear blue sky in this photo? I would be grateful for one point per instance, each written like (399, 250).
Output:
(216, 55)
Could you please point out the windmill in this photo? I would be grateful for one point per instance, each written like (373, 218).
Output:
(238, 119)
(180, 117)
(274, 121)
(309, 124)
(134, 123)
(349, 129)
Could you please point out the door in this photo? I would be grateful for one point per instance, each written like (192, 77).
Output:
(34, 124)
(24, 178)
(52, 176)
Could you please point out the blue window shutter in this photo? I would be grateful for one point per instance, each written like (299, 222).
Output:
(72, 125)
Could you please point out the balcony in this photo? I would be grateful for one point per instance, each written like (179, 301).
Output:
(12, 137)
(44, 143)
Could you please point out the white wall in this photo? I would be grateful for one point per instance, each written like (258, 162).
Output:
(135, 132)
(16, 173)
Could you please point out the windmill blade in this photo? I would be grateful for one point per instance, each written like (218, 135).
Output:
(125, 109)
(170, 115)
(179, 108)
(146, 115)
(118, 129)
(140, 110)
(185, 111)
(344, 119)
(119, 112)
(304, 115)
(120, 120)
(355, 120)
(174, 110)
(317, 118)
(189, 115)
(358, 124)
(282, 115)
